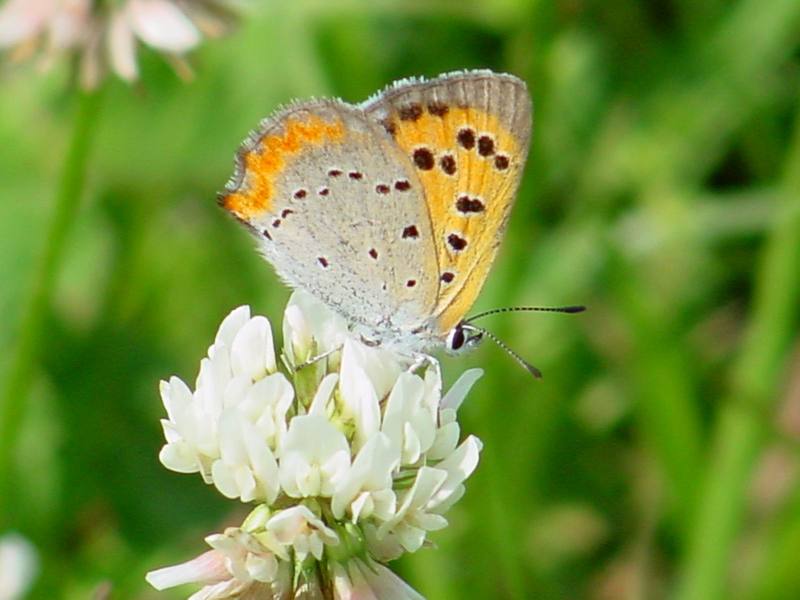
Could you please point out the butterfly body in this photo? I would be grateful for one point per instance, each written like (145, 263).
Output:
(391, 211)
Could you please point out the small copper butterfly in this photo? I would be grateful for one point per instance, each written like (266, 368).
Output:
(391, 211)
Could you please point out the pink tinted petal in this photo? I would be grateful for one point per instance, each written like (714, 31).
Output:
(162, 25)
(209, 567)
(388, 586)
(232, 588)
(122, 48)
(70, 25)
(22, 19)
(347, 586)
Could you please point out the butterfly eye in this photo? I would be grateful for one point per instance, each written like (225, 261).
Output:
(456, 338)
(462, 337)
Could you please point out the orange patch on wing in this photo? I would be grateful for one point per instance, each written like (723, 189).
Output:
(264, 164)
(473, 175)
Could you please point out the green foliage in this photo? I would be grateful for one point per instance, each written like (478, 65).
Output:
(657, 458)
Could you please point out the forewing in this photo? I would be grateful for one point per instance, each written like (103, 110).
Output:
(467, 136)
(340, 212)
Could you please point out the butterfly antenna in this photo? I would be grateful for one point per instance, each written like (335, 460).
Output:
(524, 363)
(556, 309)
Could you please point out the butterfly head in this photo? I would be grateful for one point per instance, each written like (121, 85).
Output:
(465, 335)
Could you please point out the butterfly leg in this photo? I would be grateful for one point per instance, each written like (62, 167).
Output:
(315, 359)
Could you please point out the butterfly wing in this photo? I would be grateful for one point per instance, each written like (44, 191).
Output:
(340, 212)
(467, 135)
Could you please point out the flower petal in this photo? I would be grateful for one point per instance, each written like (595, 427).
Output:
(263, 465)
(358, 395)
(162, 25)
(459, 390)
(459, 465)
(326, 327)
(23, 19)
(446, 441)
(176, 396)
(122, 47)
(323, 394)
(296, 335)
(371, 471)
(209, 567)
(179, 457)
(252, 350)
(350, 584)
(231, 324)
(299, 527)
(407, 419)
(314, 456)
(386, 585)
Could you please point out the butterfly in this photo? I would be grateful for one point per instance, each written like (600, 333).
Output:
(391, 211)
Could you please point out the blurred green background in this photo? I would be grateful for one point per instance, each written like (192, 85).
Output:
(658, 458)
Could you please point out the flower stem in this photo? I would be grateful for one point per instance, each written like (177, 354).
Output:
(21, 370)
(739, 431)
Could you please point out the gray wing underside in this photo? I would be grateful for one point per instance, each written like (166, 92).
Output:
(359, 238)
(502, 95)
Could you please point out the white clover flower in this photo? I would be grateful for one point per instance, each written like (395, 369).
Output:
(350, 453)
(105, 35)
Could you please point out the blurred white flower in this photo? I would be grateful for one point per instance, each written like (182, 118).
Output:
(352, 458)
(104, 36)
(18, 566)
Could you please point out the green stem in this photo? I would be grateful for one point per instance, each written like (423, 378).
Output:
(21, 370)
(739, 432)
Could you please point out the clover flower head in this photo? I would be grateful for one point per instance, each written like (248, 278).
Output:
(349, 456)
(105, 36)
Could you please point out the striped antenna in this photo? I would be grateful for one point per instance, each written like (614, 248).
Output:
(570, 310)
(522, 362)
